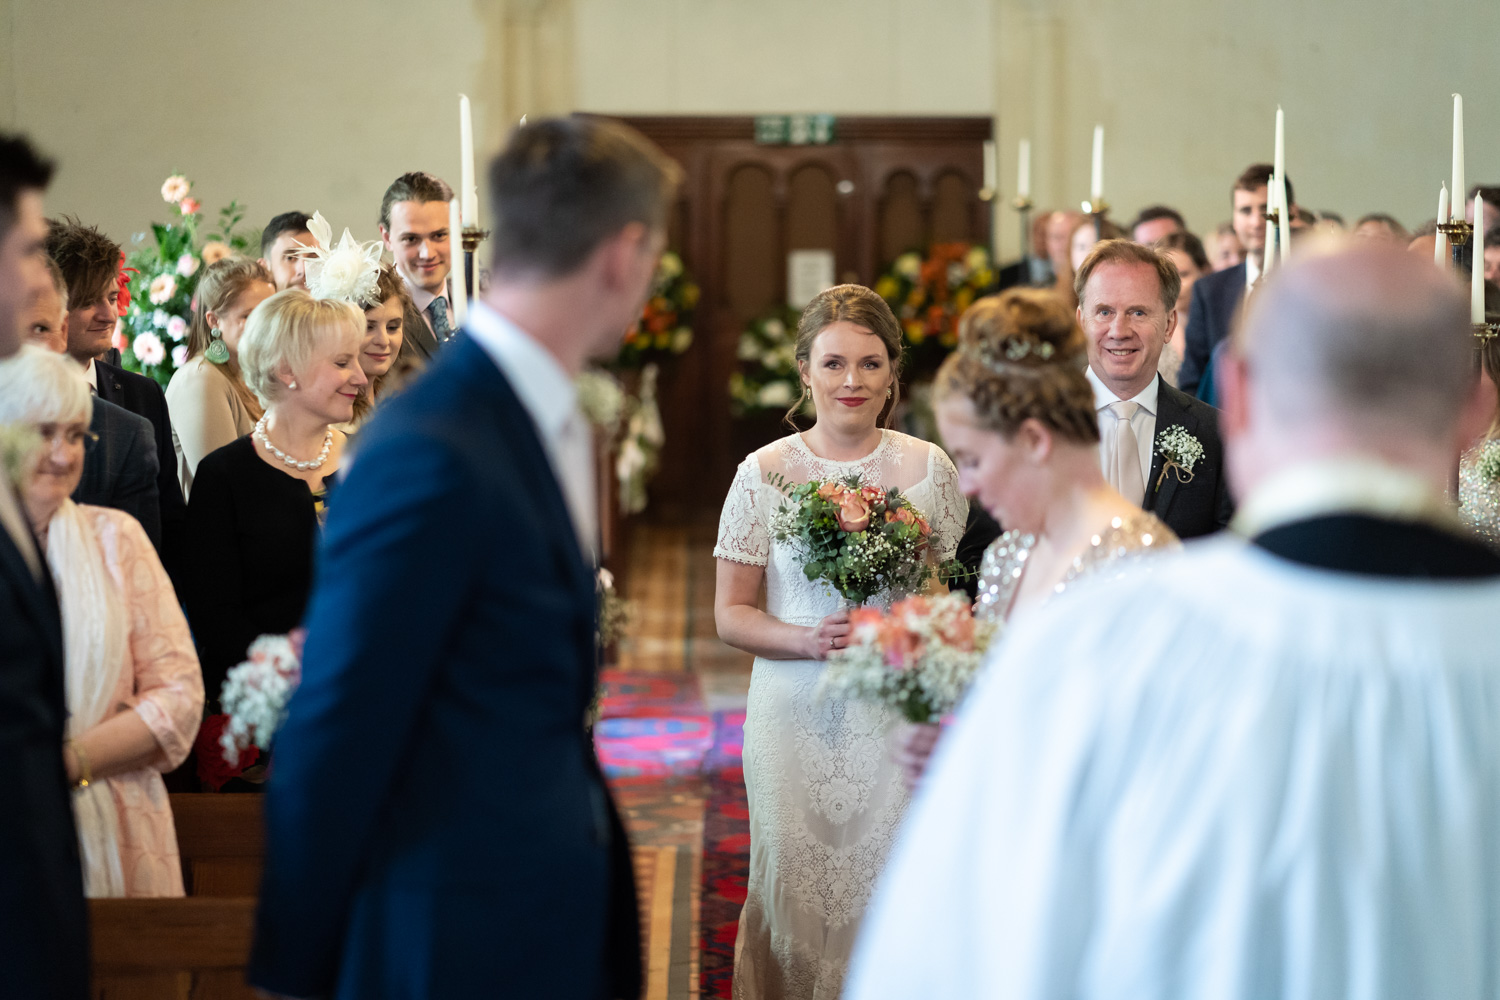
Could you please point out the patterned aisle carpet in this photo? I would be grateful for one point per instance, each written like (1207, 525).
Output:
(670, 739)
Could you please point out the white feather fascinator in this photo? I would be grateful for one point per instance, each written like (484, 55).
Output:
(348, 271)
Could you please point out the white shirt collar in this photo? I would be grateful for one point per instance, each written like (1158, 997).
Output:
(540, 382)
(1103, 395)
(420, 297)
(91, 375)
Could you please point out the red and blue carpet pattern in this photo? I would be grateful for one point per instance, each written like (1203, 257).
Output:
(654, 728)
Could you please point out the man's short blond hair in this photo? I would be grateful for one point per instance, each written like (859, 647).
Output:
(1122, 251)
(290, 330)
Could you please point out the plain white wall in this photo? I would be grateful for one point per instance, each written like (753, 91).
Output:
(320, 104)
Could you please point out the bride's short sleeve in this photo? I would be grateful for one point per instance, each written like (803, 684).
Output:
(744, 536)
(950, 513)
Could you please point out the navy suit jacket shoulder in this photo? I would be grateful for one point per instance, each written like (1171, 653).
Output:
(44, 948)
(142, 396)
(120, 467)
(469, 840)
(1216, 301)
(1200, 504)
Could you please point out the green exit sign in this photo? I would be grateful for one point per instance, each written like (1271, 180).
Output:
(794, 130)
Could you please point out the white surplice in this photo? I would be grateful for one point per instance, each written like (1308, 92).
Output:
(1232, 777)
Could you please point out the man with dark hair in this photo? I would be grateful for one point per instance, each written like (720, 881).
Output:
(281, 245)
(1127, 300)
(44, 948)
(426, 870)
(90, 263)
(1156, 221)
(414, 226)
(1491, 193)
(1217, 297)
(1491, 262)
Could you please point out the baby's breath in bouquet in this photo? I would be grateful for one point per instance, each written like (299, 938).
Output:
(918, 658)
(861, 540)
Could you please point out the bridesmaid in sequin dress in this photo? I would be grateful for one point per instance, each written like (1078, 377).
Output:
(1479, 469)
(1017, 416)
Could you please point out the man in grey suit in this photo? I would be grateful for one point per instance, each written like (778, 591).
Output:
(120, 466)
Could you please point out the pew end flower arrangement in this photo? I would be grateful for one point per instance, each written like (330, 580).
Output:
(929, 294)
(768, 380)
(254, 699)
(862, 541)
(158, 279)
(665, 327)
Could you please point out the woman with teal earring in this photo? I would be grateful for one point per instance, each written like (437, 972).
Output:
(207, 399)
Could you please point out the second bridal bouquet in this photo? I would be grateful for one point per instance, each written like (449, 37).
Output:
(918, 658)
(860, 539)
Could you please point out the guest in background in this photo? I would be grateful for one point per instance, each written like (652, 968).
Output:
(414, 226)
(1017, 416)
(1127, 299)
(1224, 248)
(1155, 222)
(1185, 251)
(135, 695)
(1060, 229)
(1381, 228)
(90, 264)
(1492, 254)
(209, 401)
(1033, 269)
(380, 352)
(1086, 235)
(281, 246)
(119, 460)
(44, 935)
(258, 501)
(1218, 297)
(1491, 194)
(1332, 220)
(1479, 467)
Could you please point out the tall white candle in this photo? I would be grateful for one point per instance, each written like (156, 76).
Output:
(1476, 274)
(1023, 170)
(1268, 255)
(467, 190)
(1096, 177)
(991, 168)
(1279, 163)
(457, 266)
(1285, 220)
(1440, 246)
(1457, 191)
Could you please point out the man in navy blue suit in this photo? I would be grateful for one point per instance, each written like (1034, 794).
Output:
(1217, 297)
(437, 824)
(44, 948)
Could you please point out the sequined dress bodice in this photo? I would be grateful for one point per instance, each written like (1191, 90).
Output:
(1479, 490)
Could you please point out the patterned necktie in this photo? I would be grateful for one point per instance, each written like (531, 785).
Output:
(1126, 475)
(437, 312)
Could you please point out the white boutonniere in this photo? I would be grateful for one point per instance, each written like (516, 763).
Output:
(1180, 452)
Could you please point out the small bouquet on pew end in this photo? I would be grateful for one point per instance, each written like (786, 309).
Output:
(918, 658)
(256, 693)
(861, 540)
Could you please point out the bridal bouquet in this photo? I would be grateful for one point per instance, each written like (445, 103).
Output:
(918, 658)
(256, 693)
(860, 539)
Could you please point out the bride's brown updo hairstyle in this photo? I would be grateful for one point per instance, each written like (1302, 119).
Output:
(1021, 357)
(858, 305)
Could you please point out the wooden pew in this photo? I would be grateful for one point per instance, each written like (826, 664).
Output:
(171, 949)
(222, 842)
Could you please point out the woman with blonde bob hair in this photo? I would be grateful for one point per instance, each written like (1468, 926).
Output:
(209, 402)
(258, 502)
(134, 691)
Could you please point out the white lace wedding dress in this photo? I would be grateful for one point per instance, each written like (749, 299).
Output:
(825, 796)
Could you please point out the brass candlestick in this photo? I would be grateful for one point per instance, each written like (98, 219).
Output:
(1098, 209)
(1273, 237)
(1486, 331)
(471, 237)
(1460, 244)
(1022, 205)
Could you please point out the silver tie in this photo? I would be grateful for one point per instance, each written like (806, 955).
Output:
(1126, 475)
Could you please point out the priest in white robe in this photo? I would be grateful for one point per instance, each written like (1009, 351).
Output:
(1268, 766)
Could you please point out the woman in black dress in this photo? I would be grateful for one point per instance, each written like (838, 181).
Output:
(258, 502)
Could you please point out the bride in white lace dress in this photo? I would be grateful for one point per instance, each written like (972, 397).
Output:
(825, 795)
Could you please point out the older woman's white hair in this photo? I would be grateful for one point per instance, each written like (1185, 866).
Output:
(38, 386)
(286, 332)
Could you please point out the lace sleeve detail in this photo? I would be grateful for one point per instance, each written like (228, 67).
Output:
(950, 508)
(744, 536)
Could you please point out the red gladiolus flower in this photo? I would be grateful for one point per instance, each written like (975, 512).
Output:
(123, 281)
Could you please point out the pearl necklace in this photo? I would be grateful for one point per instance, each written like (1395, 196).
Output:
(317, 463)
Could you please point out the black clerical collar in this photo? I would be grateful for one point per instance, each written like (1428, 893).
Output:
(1370, 545)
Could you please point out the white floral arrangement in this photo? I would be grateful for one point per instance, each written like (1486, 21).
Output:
(1180, 452)
(256, 693)
(768, 379)
(640, 447)
(601, 398)
(918, 658)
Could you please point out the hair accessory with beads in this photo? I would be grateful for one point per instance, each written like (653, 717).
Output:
(349, 271)
(1008, 351)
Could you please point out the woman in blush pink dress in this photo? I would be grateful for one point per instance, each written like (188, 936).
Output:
(134, 690)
